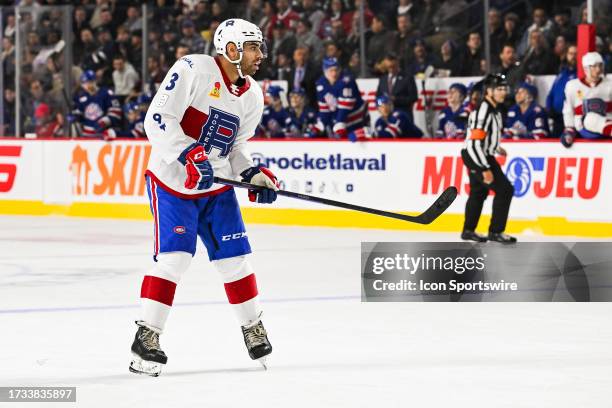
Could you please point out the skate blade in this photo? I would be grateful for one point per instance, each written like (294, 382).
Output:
(140, 366)
(262, 361)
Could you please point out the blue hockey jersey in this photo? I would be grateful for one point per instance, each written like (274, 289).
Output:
(340, 105)
(532, 124)
(397, 125)
(303, 125)
(97, 112)
(452, 125)
(274, 123)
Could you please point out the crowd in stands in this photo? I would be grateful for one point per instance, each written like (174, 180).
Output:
(403, 39)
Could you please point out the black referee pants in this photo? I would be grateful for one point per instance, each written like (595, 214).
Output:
(479, 192)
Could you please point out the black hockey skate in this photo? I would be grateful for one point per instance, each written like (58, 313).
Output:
(256, 341)
(501, 238)
(468, 235)
(148, 357)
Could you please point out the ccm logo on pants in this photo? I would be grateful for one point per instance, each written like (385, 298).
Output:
(237, 235)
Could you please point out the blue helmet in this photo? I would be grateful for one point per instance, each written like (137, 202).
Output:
(274, 91)
(88, 76)
(383, 99)
(533, 91)
(144, 98)
(460, 87)
(130, 107)
(298, 91)
(330, 62)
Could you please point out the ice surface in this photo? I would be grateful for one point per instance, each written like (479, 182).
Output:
(69, 292)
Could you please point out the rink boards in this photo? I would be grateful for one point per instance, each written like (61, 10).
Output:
(558, 191)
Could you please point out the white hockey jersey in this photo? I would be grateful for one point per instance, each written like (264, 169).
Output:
(577, 95)
(197, 102)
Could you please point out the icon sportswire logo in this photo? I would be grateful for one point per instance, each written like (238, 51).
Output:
(336, 161)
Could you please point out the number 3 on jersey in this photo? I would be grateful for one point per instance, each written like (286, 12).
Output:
(219, 131)
(172, 83)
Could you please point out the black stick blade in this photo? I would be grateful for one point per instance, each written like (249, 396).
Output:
(439, 206)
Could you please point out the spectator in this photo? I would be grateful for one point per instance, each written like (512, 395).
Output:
(9, 111)
(353, 39)
(8, 60)
(181, 51)
(283, 41)
(562, 25)
(511, 33)
(135, 54)
(333, 50)
(190, 38)
(496, 31)
(285, 15)
(125, 78)
(401, 89)
(275, 117)
(156, 74)
(421, 60)
(526, 119)
(509, 67)
(305, 37)
(447, 64)
(428, 9)
(202, 17)
(304, 74)
(107, 21)
(253, 12)
(34, 98)
(302, 118)
(283, 67)
(556, 96)
(169, 43)
(265, 24)
(393, 123)
(538, 59)
(378, 44)
(9, 30)
(312, 12)
(472, 55)
(47, 124)
(403, 39)
(452, 121)
(540, 23)
(336, 15)
(79, 22)
(134, 21)
(559, 50)
(219, 10)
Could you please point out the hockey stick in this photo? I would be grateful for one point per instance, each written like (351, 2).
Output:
(434, 211)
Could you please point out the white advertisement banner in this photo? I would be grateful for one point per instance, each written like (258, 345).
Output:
(549, 180)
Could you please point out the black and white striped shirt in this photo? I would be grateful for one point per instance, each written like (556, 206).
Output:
(484, 131)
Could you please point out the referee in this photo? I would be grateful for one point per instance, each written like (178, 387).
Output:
(485, 127)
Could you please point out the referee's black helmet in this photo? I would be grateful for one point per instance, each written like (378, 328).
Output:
(495, 80)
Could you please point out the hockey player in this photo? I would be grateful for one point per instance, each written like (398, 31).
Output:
(526, 119)
(302, 119)
(135, 121)
(453, 118)
(198, 124)
(393, 123)
(588, 107)
(97, 110)
(275, 116)
(341, 108)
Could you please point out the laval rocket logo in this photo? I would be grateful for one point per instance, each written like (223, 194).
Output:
(519, 174)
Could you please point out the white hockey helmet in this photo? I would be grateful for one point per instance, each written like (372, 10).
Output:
(591, 58)
(237, 31)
